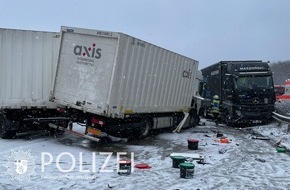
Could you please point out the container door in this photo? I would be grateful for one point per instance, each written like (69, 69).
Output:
(84, 71)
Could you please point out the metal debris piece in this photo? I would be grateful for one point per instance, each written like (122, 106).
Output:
(260, 159)
(260, 138)
(222, 151)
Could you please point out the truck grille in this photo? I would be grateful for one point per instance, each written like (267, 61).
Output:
(255, 101)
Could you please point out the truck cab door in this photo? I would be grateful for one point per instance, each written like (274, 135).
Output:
(228, 90)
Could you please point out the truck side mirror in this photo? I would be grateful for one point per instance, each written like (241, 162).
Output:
(201, 88)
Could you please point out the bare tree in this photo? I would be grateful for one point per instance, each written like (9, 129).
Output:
(281, 71)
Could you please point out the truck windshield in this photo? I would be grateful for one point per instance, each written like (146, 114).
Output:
(253, 82)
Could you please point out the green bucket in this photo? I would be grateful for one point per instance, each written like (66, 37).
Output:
(186, 170)
(281, 149)
(176, 160)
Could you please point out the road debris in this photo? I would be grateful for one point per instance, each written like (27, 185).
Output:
(278, 143)
(142, 166)
(260, 159)
(281, 149)
(219, 135)
(224, 140)
(200, 132)
(260, 138)
(222, 151)
(202, 162)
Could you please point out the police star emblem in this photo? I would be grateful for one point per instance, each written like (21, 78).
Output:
(20, 164)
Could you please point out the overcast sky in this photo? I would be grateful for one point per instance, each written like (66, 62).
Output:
(206, 30)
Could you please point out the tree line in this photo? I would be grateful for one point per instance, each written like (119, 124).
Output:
(281, 71)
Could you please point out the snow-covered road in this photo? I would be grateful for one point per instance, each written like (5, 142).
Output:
(245, 164)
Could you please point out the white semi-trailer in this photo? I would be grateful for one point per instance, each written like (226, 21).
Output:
(116, 82)
(27, 68)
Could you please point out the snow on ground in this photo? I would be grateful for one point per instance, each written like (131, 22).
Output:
(277, 132)
(244, 163)
(283, 107)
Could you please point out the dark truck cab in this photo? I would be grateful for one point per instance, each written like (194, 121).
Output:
(245, 89)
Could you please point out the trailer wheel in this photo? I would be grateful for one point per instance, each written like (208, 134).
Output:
(56, 133)
(6, 133)
(145, 128)
(1, 125)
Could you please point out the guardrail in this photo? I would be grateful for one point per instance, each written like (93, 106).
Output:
(281, 118)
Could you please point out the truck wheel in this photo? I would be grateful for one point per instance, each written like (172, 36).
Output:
(205, 113)
(196, 120)
(229, 121)
(202, 112)
(145, 128)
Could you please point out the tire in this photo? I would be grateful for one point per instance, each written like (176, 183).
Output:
(196, 120)
(195, 117)
(202, 112)
(5, 132)
(206, 114)
(8, 134)
(1, 124)
(228, 120)
(145, 127)
(56, 133)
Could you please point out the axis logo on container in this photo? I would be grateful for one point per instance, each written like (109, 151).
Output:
(91, 52)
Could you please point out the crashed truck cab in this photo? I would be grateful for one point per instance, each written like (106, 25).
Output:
(245, 89)
(254, 95)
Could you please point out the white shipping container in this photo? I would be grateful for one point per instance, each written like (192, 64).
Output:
(27, 67)
(114, 74)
